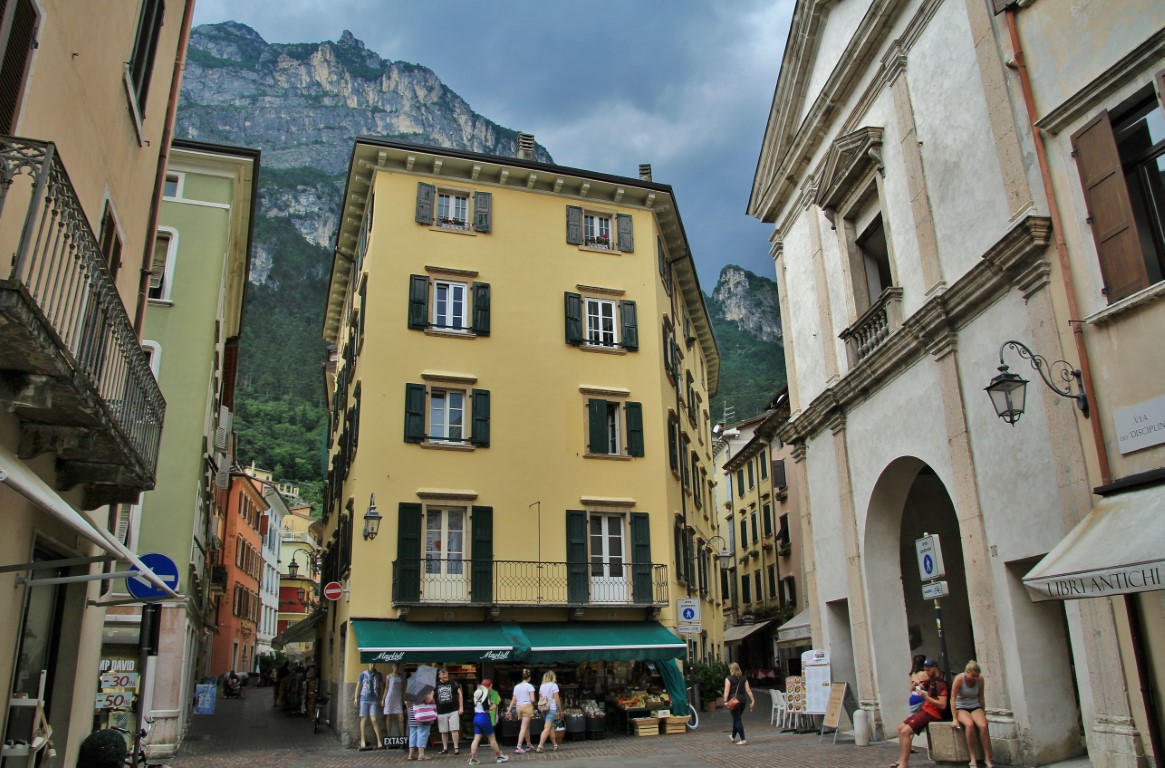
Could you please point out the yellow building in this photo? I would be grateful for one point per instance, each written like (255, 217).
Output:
(85, 112)
(523, 362)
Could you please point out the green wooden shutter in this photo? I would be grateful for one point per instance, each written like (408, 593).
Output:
(414, 413)
(641, 591)
(597, 419)
(625, 234)
(574, 332)
(480, 434)
(482, 554)
(418, 302)
(740, 483)
(630, 325)
(576, 557)
(574, 230)
(425, 195)
(481, 309)
(408, 553)
(662, 257)
(673, 445)
(482, 211)
(634, 428)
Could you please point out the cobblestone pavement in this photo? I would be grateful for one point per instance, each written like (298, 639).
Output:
(250, 733)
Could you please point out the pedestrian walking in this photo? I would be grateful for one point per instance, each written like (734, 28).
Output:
(450, 706)
(523, 703)
(421, 716)
(483, 726)
(549, 704)
(736, 690)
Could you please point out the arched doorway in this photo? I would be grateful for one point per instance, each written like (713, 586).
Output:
(908, 500)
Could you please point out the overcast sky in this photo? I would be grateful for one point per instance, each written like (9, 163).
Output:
(603, 84)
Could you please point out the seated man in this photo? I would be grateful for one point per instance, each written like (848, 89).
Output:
(934, 695)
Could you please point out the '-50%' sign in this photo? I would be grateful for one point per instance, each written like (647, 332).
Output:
(115, 700)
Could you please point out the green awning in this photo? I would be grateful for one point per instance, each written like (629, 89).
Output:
(577, 641)
(381, 641)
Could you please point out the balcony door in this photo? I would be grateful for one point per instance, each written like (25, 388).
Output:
(608, 559)
(445, 576)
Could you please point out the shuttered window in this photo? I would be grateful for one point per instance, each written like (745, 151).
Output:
(482, 552)
(141, 62)
(576, 557)
(641, 557)
(1119, 158)
(449, 300)
(18, 48)
(779, 480)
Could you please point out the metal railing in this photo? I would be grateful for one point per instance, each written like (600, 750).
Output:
(58, 264)
(455, 581)
(874, 326)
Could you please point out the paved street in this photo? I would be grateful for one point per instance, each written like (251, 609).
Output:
(251, 734)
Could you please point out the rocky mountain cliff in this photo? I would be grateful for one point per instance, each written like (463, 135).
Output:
(302, 104)
(746, 318)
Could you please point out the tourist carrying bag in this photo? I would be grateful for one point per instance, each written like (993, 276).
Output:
(543, 704)
(734, 703)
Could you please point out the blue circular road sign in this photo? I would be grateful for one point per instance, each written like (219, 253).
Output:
(928, 564)
(163, 567)
(689, 614)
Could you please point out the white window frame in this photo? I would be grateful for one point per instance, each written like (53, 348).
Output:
(440, 433)
(179, 185)
(449, 201)
(595, 336)
(167, 285)
(614, 428)
(447, 320)
(598, 225)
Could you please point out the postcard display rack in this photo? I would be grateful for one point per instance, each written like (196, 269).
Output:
(30, 744)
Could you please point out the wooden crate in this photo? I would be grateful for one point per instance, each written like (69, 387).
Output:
(648, 726)
(675, 724)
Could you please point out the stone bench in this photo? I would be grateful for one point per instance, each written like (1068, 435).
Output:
(949, 745)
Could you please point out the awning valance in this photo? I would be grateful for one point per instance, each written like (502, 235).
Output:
(741, 631)
(578, 641)
(795, 631)
(382, 640)
(1118, 548)
(301, 631)
(16, 474)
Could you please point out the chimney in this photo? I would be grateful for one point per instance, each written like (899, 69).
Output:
(525, 146)
(645, 171)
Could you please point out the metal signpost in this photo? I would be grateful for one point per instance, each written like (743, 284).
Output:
(934, 587)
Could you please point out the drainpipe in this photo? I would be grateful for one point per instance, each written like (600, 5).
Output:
(1132, 609)
(139, 322)
(1019, 65)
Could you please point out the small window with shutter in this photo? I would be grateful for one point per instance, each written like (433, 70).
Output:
(1120, 156)
(140, 67)
(454, 210)
(601, 230)
(17, 58)
(165, 246)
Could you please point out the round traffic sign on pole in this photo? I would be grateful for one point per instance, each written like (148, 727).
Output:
(333, 590)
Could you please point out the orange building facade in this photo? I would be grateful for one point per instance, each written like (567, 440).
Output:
(240, 607)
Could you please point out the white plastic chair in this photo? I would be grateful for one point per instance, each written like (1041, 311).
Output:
(780, 709)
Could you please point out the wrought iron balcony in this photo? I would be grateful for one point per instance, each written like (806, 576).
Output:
(71, 367)
(453, 581)
(874, 326)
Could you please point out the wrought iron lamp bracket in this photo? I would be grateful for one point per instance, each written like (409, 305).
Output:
(1059, 369)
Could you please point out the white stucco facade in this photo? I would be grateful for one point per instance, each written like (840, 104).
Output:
(915, 234)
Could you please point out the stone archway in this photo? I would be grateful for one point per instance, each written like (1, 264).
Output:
(908, 500)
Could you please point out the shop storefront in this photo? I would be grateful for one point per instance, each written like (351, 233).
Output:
(603, 668)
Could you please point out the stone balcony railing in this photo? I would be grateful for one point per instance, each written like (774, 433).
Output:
(71, 367)
(874, 326)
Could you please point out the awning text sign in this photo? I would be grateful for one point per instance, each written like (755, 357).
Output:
(1112, 581)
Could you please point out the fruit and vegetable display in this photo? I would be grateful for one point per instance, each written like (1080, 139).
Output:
(643, 700)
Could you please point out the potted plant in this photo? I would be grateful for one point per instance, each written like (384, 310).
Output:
(709, 676)
(102, 749)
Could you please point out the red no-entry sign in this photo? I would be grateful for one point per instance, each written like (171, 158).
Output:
(333, 590)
